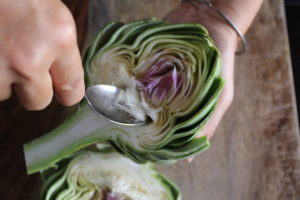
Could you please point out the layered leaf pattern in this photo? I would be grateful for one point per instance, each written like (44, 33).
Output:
(105, 176)
(171, 74)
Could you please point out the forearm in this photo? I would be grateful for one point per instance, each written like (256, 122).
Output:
(241, 12)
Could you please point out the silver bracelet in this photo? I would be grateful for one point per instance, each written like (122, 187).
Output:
(230, 23)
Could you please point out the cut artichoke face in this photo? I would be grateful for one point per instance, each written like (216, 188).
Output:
(106, 176)
(170, 73)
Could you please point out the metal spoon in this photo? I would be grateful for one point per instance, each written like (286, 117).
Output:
(101, 99)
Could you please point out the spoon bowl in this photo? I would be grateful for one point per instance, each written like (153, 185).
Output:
(101, 99)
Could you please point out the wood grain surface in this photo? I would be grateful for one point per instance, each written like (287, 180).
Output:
(255, 153)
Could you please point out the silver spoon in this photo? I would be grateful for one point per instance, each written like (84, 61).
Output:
(101, 98)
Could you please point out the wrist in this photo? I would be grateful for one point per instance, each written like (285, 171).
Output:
(218, 28)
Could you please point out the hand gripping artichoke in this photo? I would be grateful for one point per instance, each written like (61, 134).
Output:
(171, 75)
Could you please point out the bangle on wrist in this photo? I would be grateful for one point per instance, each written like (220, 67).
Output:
(229, 22)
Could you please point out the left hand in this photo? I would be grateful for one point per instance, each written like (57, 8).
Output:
(226, 41)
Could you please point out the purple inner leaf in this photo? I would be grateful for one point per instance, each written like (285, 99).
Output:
(161, 82)
(109, 196)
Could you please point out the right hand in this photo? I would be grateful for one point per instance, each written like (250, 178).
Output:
(39, 55)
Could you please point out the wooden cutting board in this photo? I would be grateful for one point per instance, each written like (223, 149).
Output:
(255, 152)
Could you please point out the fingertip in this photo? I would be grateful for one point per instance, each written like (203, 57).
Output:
(35, 107)
(31, 100)
(35, 94)
(5, 93)
(208, 130)
(189, 160)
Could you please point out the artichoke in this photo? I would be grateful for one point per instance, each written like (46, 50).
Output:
(171, 75)
(105, 176)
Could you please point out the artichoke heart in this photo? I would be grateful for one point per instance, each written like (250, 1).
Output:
(105, 176)
(170, 74)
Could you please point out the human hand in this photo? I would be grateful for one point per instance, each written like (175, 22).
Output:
(225, 39)
(39, 53)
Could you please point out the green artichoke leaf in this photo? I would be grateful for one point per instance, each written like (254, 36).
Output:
(105, 176)
(170, 74)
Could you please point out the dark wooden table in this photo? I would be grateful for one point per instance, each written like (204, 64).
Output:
(255, 153)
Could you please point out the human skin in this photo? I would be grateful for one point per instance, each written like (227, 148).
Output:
(241, 13)
(39, 55)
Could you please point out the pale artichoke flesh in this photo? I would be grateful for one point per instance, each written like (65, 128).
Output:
(105, 176)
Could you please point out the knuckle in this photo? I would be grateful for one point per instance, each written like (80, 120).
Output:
(70, 93)
(69, 85)
(65, 34)
(26, 64)
(70, 80)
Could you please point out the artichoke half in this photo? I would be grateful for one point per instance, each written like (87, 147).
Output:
(171, 74)
(105, 176)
